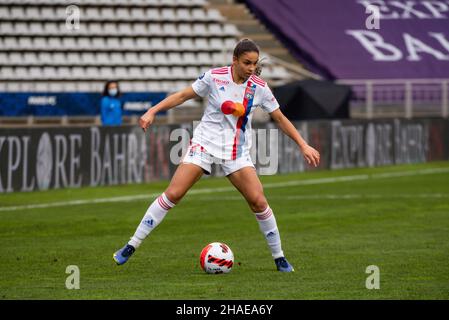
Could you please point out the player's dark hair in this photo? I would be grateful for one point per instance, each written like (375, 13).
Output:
(247, 45)
(106, 86)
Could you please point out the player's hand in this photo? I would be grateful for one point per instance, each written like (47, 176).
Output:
(146, 120)
(311, 155)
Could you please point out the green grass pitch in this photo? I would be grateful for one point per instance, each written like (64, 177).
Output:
(332, 229)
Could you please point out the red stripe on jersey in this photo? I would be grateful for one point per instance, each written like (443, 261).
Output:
(258, 80)
(223, 70)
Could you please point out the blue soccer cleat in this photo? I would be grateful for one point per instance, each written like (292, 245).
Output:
(121, 256)
(283, 265)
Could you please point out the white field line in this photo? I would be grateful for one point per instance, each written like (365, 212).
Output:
(149, 196)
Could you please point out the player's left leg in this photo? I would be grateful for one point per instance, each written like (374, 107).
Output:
(249, 185)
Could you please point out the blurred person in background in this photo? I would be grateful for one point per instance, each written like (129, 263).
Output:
(111, 106)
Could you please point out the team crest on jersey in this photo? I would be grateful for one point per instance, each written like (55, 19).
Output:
(249, 94)
(222, 89)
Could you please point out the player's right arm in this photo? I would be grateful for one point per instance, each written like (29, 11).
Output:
(169, 102)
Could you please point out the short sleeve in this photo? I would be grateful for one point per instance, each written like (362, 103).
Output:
(269, 102)
(201, 86)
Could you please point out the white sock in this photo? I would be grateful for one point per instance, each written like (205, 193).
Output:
(154, 215)
(268, 226)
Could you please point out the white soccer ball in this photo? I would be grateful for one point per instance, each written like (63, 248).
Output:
(216, 257)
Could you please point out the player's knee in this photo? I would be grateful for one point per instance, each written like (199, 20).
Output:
(174, 195)
(259, 203)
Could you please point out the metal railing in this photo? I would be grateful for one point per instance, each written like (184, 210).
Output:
(404, 96)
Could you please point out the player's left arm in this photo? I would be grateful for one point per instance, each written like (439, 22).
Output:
(311, 155)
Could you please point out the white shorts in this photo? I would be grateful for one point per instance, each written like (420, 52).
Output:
(196, 154)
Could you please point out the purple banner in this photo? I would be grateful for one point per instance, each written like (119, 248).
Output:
(363, 39)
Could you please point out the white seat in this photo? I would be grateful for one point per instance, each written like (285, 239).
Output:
(186, 44)
(16, 13)
(91, 13)
(183, 14)
(121, 73)
(26, 43)
(7, 28)
(16, 58)
(231, 30)
(201, 44)
(69, 43)
(21, 28)
(10, 43)
(91, 73)
(98, 43)
(189, 58)
(45, 58)
(142, 43)
(115, 58)
(95, 28)
(157, 44)
(4, 57)
(163, 72)
(131, 58)
(88, 58)
(33, 13)
(155, 29)
(229, 44)
(138, 14)
(199, 14)
(145, 58)
(215, 29)
(199, 30)
(113, 43)
(20, 73)
(175, 59)
(59, 58)
(216, 44)
(139, 29)
(176, 73)
(73, 58)
(168, 14)
(109, 28)
(172, 44)
(78, 73)
(204, 58)
(50, 73)
(219, 58)
(149, 73)
(152, 14)
(134, 73)
(128, 43)
(107, 12)
(101, 57)
(160, 58)
(125, 28)
(62, 73)
(169, 29)
(107, 73)
(48, 13)
(214, 15)
(185, 29)
(4, 13)
(191, 73)
(36, 28)
(122, 14)
(84, 43)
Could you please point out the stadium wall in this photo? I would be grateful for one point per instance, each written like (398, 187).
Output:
(51, 158)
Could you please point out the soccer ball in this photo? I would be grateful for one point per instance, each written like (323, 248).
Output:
(216, 257)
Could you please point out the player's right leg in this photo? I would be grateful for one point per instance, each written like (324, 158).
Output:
(186, 175)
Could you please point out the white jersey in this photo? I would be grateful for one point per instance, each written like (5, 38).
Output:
(226, 136)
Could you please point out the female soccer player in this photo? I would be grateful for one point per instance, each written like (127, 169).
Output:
(223, 136)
